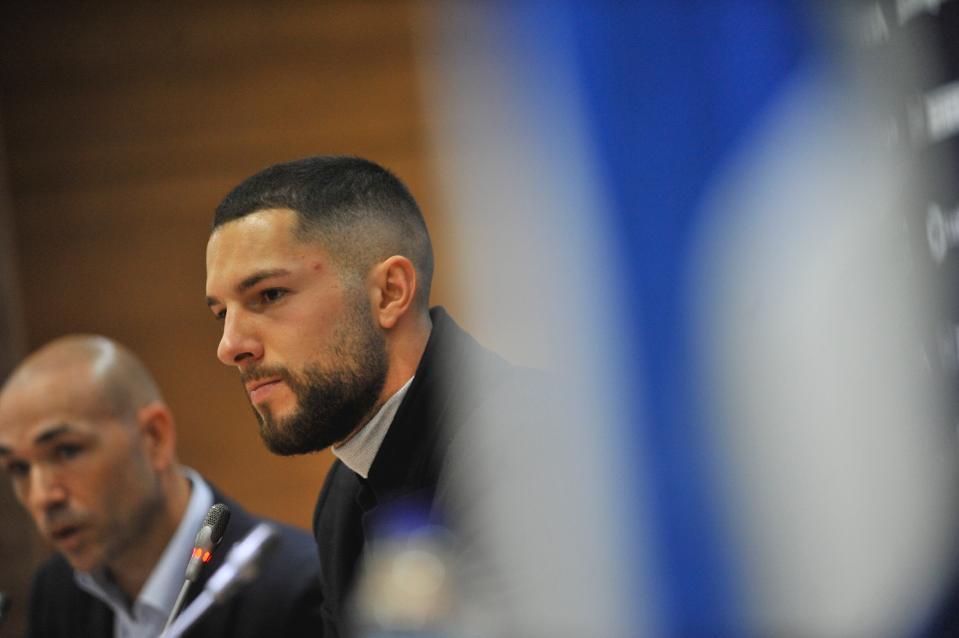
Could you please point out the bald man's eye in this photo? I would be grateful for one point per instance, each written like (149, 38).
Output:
(67, 451)
(17, 469)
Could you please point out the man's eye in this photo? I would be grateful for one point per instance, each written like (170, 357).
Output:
(219, 315)
(67, 451)
(272, 294)
(17, 469)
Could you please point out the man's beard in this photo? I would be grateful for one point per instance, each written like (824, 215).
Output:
(332, 400)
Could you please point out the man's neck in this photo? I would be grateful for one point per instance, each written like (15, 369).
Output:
(406, 347)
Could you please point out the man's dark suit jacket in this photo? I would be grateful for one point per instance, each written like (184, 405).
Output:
(282, 601)
(453, 380)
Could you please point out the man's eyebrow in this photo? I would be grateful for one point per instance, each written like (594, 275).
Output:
(44, 437)
(251, 281)
(259, 276)
(48, 435)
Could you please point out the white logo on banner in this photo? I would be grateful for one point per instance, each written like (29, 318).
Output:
(942, 112)
(949, 348)
(909, 9)
(942, 231)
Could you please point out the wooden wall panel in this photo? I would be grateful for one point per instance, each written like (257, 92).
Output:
(18, 542)
(125, 123)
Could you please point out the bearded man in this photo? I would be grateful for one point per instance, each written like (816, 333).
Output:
(319, 270)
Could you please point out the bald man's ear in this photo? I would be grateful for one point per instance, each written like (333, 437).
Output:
(158, 434)
(393, 288)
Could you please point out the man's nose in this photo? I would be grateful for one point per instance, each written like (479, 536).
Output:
(238, 345)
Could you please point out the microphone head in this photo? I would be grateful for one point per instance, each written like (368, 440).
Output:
(216, 519)
(209, 536)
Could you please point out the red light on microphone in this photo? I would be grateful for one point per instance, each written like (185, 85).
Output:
(197, 552)
(206, 557)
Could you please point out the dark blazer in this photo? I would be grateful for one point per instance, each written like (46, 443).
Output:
(282, 601)
(455, 376)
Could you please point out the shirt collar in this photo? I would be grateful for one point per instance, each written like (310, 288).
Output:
(164, 582)
(360, 450)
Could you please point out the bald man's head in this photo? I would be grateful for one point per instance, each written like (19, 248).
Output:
(89, 448)
(94, 373)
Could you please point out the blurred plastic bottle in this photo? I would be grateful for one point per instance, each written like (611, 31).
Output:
(404, 587)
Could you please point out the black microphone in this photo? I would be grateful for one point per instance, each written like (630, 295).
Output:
(241, 566)
(209, 536)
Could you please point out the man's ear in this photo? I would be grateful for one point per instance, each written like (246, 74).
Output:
(393, 287)
(158, 434)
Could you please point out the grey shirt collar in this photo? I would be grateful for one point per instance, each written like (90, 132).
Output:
(360, 450)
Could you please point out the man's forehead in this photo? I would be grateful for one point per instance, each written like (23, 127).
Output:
(264, 240)
(35, 394)
(255, 230)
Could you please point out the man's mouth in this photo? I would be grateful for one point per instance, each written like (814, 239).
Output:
(260, 389)
(66, 535)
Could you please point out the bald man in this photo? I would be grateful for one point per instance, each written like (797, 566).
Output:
(90, 448)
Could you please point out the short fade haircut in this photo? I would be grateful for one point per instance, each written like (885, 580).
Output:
(359, 211)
